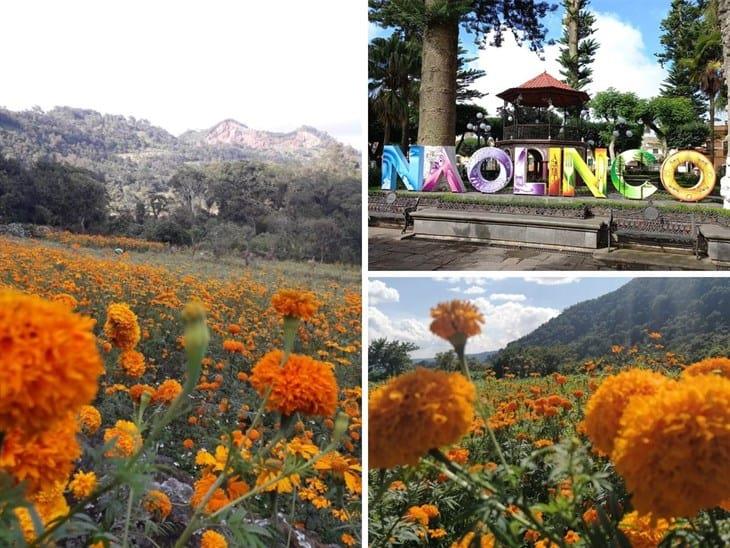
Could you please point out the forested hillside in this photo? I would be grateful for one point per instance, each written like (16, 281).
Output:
(692, 315)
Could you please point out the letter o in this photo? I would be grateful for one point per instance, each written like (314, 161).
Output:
(473, 169)
(703, 187)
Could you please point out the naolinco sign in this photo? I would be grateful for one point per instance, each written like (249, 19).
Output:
(426, 165)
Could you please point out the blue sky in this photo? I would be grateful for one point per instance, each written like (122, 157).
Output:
(628, 32)
(399, 308)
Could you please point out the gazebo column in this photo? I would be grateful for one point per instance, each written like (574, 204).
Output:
(724, 16)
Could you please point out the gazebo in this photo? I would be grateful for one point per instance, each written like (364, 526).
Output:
(530, 120)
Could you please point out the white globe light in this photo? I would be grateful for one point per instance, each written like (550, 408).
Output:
(480, 115)
(470, 127)
(629, 133)
(483, 126)
(488, 128)
(615, 133)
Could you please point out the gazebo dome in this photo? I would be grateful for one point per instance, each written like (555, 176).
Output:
(544, 90)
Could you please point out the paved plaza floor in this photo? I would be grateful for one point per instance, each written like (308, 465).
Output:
(388, 250)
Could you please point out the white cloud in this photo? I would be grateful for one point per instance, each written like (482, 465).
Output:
(474, 290)
(379, 292)
(455, 289)
(621, 62)
(551, 280)
(507, 297)
(188, 65)
(504, 322)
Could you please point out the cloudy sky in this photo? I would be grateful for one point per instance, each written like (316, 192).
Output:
(512, 307)
(628, 33)
(190, 64)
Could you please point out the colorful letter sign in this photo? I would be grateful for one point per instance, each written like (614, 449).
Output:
(395, 165)
(474, 173)
(617, 174)
(442, 161)
(573, 164)
(703, 187)
(521, 186)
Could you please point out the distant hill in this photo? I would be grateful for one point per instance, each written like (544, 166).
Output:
(692, 315)
(137, 158)
(479, 357)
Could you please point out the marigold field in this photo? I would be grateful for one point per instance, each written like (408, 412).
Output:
(632, 449)
(151, 399)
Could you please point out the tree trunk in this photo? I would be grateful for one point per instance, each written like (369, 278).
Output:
(386, 135)
(712, 129)
(437, 105)
(404, 134)
(573, 28)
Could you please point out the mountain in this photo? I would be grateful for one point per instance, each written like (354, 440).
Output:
(137, 158)
(691, 314)
(479, 357)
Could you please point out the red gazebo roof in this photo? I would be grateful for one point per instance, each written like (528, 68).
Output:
(539, 91)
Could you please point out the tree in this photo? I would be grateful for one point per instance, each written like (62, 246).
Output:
(578, 49)
(446, 360)
(436, 23)
(388, 358)
(191, 185)
(681, 29)
(704, 64)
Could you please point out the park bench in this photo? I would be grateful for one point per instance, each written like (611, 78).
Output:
(650, 226)
(392, 207)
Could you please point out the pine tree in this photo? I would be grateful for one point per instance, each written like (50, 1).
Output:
(437, 23)
(578, 49)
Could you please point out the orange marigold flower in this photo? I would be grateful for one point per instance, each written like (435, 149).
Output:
(49, 362)
(49, 503)
(136, 391)
(128, 439)
(643, 531)
(347, 539)
(43, 458)
(605, 407)
(571, 537)
(132, 362)
(89, 419)
(82, 484)
(677, 441)
(456, 321)
(436, 409)
(188, 443)
(590, 516)
(345, 468)
(69, 301)
(710, 366)
(295, 303)
(485, 540)
(157, 503)
(229, 345)
(121, 327)
(301, 385)
(201, 487)
(234, 329)
(211, 539)
(167, 391)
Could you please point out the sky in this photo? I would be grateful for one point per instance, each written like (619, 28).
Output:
(191, 64)
(628, 32)
(512, 307)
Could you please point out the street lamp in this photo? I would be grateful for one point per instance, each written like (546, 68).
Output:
(479, 127)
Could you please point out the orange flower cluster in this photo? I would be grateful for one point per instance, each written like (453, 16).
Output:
(89, 419)
(132, 362)
(301, 385)
(49, 363)
(121, 327)
(127, 438)
(717, 366)
(157, 503)
(295, 303)
(456, 321)
(167, 392)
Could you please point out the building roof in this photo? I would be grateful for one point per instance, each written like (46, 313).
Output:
(542, 90)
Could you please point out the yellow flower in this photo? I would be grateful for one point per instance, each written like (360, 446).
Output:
(485, 540)
(121, 327)
(43, 458)
(456, 321)
(433, 409)
(49, 503)
(643, 531)
(673, 448)
(295, 303)
(211, 539)
(128, 439)
(49, 362)
(158, 504)
(605, 407)
(132, 362)
(344, 468)
(82, 484)
(89, 419)
(710, 366)
(270, 471)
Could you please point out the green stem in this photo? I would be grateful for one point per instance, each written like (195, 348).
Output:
(128, 518)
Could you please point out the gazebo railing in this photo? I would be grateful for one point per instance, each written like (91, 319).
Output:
(542, 131)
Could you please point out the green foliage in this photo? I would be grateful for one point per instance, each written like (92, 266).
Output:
(388, 358)
(693, 134)
(690, 313)
(577, 69)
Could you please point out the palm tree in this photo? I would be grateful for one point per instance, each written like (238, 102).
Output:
(392, 66)
(706, 65)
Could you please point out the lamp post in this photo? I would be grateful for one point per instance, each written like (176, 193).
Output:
(479, 127)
